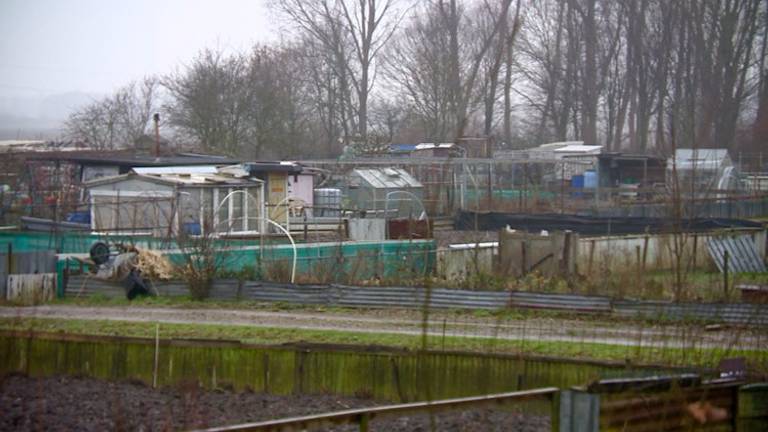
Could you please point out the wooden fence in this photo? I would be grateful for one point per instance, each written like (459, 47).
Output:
(633, 405)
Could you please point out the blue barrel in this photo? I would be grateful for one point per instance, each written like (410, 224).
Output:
(590, 179)
(577, 181)
(192, 228)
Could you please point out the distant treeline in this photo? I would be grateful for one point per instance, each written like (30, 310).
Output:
(643, 75)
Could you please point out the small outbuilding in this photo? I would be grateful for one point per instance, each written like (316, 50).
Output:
(165, 203)
(622, 169)
(378, 189)
(707, 169)
(284, 181)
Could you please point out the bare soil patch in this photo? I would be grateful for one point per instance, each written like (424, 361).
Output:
(76, 403)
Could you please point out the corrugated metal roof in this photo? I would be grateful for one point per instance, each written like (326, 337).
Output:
(427, 146)
(579, 148)
(555, 145)
(388, 178)
(203, 179)
(177, 179)
(190, 169)
(132, 160)
(13, 143)
(37, 146)
(742, 254)
(272, 166)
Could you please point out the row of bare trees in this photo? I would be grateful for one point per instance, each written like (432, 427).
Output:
(645, 73)
(628, 74)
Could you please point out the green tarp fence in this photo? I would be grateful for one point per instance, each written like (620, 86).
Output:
(332, 261)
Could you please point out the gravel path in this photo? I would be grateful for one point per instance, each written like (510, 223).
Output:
(408, 322)
(86, 404)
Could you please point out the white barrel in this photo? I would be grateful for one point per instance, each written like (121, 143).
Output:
(327, 202)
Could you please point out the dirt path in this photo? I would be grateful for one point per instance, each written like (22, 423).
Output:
(405, 322)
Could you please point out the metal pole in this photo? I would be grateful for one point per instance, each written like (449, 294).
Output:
(562, 188)
(490, 185)
(156, 119)
(597, 188)
(645, 173)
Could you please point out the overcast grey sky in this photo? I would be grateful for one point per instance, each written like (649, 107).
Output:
(94, 46)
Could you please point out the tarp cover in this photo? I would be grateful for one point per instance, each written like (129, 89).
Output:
(590, 225)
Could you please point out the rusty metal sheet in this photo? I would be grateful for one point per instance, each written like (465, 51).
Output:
(405, 229)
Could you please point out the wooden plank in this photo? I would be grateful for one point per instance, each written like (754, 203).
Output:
(31, 289)
(4, 271)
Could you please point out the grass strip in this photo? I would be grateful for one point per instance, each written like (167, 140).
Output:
(701, 357)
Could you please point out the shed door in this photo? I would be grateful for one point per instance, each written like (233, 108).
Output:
(277, 184)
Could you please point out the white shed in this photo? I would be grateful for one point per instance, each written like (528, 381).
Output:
(163, 204)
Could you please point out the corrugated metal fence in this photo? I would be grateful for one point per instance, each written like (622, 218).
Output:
(441, 298)
(739, 250)
(36, 262)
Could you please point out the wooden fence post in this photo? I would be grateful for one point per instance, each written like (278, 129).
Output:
(752, 411)
(577, 411)
(523, 260)
(364, 420)
(157, 355)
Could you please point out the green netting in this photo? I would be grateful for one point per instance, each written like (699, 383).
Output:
(329, 262)
(337, 262)
(472, 194)
(69, 242)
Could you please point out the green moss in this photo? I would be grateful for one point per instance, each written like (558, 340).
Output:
(705, 357)
(404, 376)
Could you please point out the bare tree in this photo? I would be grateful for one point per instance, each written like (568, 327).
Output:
(760, 124)
(437, 62)
(614, 72)
(499, 54)
(325, 93)
(352, 33)
(95, 124)
(550, 55)
(387, 117)
(210, 100)
(277, 114)
(116, 121)
(509, 64)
